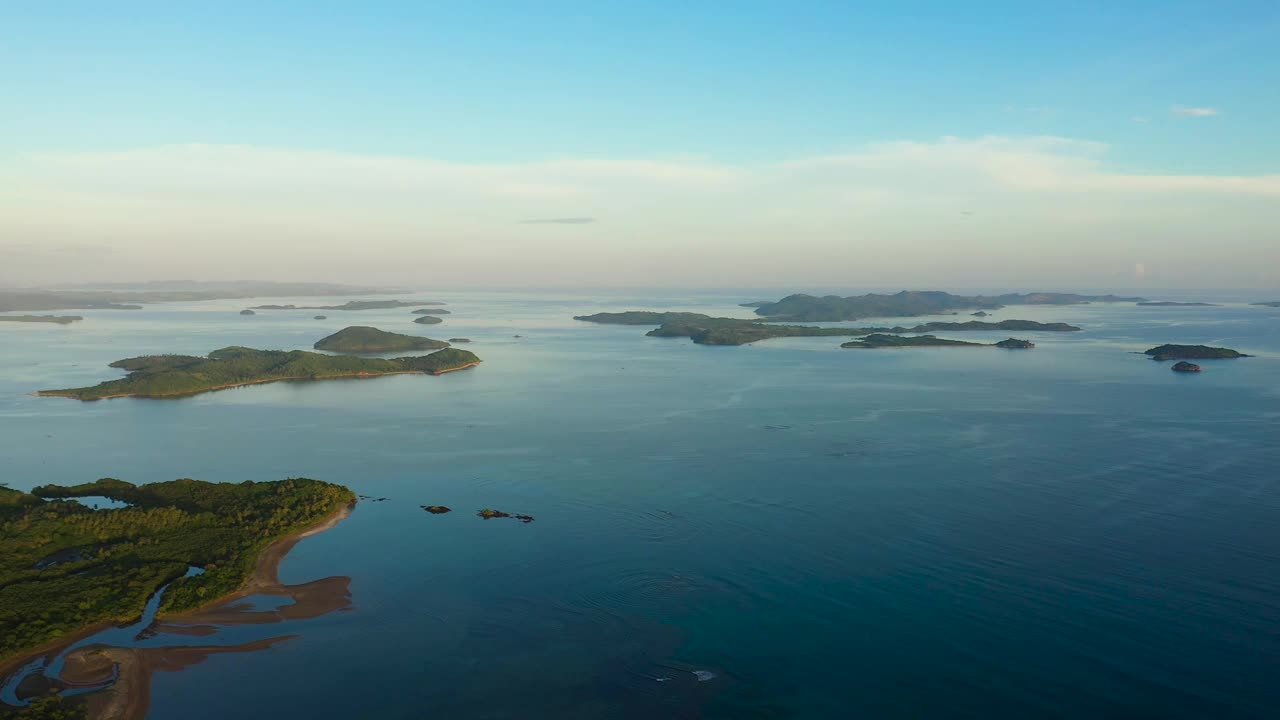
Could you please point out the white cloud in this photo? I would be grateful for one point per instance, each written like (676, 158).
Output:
(1194, 111)
(1141, 119)
(895, 206)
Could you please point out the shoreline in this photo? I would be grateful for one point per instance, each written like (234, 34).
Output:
(264, 576)
(261, 381)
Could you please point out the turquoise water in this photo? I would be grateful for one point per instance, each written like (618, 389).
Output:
(1068, 531)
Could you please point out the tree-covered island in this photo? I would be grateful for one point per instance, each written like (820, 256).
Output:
(176, 375)
(363, 339)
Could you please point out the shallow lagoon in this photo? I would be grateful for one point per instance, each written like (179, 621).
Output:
(1070, 530)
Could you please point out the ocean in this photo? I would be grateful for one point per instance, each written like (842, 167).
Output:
(780, 530)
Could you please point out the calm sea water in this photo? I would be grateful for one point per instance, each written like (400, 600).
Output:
(1071, 531)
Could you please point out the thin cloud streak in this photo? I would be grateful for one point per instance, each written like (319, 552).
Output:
(1194, 111)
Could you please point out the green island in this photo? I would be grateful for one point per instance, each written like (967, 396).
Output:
(833, 308)
(432, 311)
(459, 340)
(350, 305)
(881, 340)
(58, 319)
(68, 567)
(707, 330)
(428, 320)
(363, 339)
(1192, 352)
(1171, 303)
(176, 375)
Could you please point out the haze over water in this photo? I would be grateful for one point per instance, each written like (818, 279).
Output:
(956, 532)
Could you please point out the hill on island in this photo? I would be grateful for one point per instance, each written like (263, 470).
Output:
(177, 375)
(361, 338)
(833, 308)
(67, 566)
(1192, 352)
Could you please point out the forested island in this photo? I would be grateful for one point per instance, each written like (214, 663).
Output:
(1171, 303)
(359, 338)
(833, 308)
(881, 340)
(67, 567)
(155, 376)
(57, 319)
(707, 330)
(428, 320)
(1192, 352)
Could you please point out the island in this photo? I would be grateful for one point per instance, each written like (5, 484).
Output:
(707, 330)
(68, 567)
(363, 339)
(432, 311)
(1015, 344)
(1184, 366)
(833, 308)
(320, 317)
(980, 313)
(1273, 303)
(880, 340)
(157, 376)
(1192, 352)
(248, 312)
(350, 305)
(459, 340)
(128, 296)
(1170, 303)
(57, 319)
(428, 320)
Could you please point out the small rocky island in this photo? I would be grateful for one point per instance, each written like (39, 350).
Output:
(157, 376)
(980, 313)
(1015, 344)
(56, 319)
(1192, 352)
(247, 312)
(1184, 366)
(363, 339)
(428, 320)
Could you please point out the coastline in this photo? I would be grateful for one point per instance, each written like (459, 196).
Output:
(260, 381)
(135, 695)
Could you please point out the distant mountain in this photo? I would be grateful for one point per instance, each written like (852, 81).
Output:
(833, 308)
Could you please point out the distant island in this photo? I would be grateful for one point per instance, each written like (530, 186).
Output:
(428, 320)
(1170, 303)
(980, 313)
(350, 305)
(1184, 366)
(1273, 303)
(248, 312)
(68, 567)
(1191, 352)
(880, 340)
(1015, 344)
(432, 311)
(363, 339)
(58, 319)
(130, 296)
(707, 330)
(833, 308)
(155, 376)
(459, 340)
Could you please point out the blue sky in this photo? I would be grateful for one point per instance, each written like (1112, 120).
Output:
(742, 84)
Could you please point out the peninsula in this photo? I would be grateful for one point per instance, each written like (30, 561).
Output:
(1192, 352)
(363, 339)
(707, 330)
(833, 308)
(58, 319)
(67, 567)
(155, 376)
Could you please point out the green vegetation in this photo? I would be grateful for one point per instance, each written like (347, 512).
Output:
(707, 330)
(833, 308)
(359, 338)
(175, 375)
(1184, 366)
(427, 320)
(67, 566)
(1191, 352)
(1015, 344)
(459, 340)
(880, 340)
(59, 319)
(52, 707)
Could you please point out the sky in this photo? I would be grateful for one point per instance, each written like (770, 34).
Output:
(692, 144)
